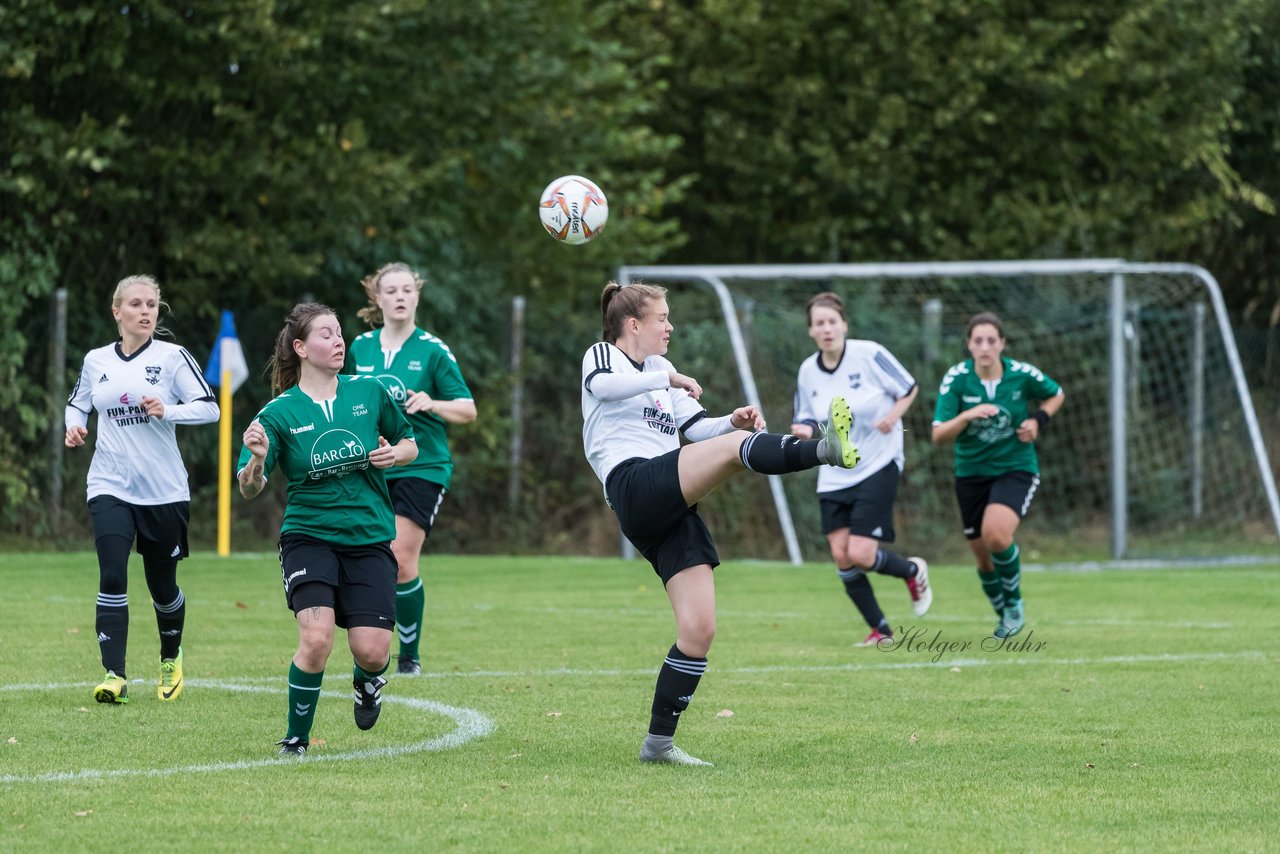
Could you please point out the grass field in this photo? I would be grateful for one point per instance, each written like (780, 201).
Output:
(1137, 713)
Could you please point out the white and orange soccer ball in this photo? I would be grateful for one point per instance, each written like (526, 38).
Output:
(573, 209)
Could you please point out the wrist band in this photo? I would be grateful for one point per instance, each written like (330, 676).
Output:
(1042, 418)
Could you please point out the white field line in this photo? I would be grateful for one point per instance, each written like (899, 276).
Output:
(471, 725)
(1023, 659)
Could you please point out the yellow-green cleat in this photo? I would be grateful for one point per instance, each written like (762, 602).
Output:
(839, 448)
(114, 689)
(170, 685)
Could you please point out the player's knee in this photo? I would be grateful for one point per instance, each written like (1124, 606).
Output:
(996, 538)
(696, 637)
(315, 644)
(861, 554)
(406, 569)
(372, 659)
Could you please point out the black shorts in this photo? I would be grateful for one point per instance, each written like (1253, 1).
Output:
(866, 508)
(416, 499)
(1013, 489)
(646, 496)
(159, 529)
(357, 582)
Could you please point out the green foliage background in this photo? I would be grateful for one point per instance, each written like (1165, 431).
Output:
(251, 154)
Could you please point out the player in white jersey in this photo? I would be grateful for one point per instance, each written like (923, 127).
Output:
(635, 408)
(857, 505)
(137, 486)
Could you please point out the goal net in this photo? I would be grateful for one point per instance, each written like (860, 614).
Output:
(1157, 452)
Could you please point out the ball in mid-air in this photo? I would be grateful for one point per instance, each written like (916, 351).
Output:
(573, 209)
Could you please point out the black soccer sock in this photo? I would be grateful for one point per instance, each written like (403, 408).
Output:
(892, 563)
(778, 453)
(859, 589)
(112, 625)
(112, 619)
(677, 680)
(170, 619)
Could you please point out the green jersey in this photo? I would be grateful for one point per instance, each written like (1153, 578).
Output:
(990, 446)
(322, 447)
(423, 363)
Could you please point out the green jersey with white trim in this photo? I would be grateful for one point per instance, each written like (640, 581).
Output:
(990, 446)
(322, 447)
(422, 363)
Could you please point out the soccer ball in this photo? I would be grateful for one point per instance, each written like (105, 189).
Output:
(573, 209)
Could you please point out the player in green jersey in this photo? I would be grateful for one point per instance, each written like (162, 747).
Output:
(331, 437)
(421, 374)
(986, 406)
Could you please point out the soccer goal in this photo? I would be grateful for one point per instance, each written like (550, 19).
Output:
(1158, 452)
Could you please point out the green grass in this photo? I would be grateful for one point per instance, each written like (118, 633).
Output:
(1145, 719)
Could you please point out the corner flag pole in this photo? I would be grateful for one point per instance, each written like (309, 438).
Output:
(224, 451)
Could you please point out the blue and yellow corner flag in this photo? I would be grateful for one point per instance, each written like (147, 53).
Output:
(227, 355)
(227, 369)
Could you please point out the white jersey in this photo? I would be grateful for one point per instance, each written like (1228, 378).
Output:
(634, 413)
(135, 456)
(871, 380)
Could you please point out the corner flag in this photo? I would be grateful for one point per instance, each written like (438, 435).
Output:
(227, 369)
(227, 347)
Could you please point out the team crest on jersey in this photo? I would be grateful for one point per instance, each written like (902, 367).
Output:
(153, 374)
(993, 429)
(855, 380)
(394, 387)
(337, 453)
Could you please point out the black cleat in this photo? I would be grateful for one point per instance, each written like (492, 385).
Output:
(293, 746)
(406, 666)
(368, 701)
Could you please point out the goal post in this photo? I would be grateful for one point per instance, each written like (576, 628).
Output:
(1160, 446)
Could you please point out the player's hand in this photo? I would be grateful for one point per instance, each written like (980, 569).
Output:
(75, 437)
(384, 456)
(1029, 430)
(982, 410)
(153, 406)
(419, 401)
(747, 418)
(689, 384)
(255, 439)
(802, 431)
(885, 425)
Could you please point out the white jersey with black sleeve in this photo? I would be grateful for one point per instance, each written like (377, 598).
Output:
(871, 380)
(135, 456)
(629, 410)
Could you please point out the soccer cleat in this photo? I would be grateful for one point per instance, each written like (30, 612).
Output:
(672, 756)
(876, 638)
(406, 666)
(1011, 620)
(114, 689)
(837, 446)
(170, 687)
(292, 745)
(919, 588)
(368, 701)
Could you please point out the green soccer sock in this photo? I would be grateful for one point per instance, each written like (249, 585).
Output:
(1009, 568)
(410, 603)
(994, 589)
(304, 694)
